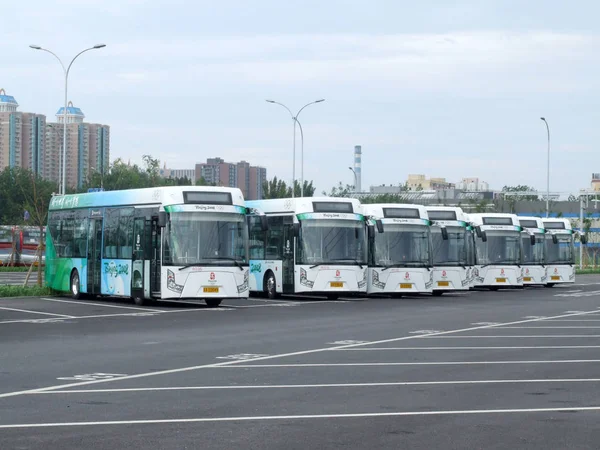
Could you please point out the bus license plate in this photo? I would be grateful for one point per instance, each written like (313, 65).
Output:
(336, 284)
(211, 289)
(555, 277)
(405, 286)
(443, 283)
(526, 278)
(500, 280)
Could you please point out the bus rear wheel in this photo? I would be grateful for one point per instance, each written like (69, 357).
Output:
(213, 302)
(75, 286)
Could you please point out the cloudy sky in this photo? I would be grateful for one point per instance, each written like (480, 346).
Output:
(444, 88)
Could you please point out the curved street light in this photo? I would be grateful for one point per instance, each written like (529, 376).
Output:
(66, 72)
(548, 170)
(355, 179)
(295, 120)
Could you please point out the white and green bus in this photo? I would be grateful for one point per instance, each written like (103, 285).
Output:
(310, 245)
(164, 243)
(560, 251)
(400, 260)
(534, 255)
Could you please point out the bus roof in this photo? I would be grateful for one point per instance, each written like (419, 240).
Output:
(301, 205)
(166, 195)
(531, 222)
(394, 210)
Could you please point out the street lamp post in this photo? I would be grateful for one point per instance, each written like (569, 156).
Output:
(66, 71)
(548, 170)
(355, 179)
(295, 120)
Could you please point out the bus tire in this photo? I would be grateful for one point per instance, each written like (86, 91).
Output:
(549, 285)
(270, 286)
(139, 301)
(75, 285)
(213, 302)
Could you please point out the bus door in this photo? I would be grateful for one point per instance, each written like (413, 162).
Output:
(155, 256)
(288, 255)
(137, 278)
(94, 255)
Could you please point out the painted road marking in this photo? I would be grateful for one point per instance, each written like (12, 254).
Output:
(422, 363)
(57, 320)
(302, 417)
(281, 355)
(312, 386)
(551, 328)
(36, 312)
(94, 376)
(424, 332)
(243, 356)
(469, 348)
(579, 294)
(348, 342)
(535, 317)
(485, 323)
(103, 305)
(561, 336)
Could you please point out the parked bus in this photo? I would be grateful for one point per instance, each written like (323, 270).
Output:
(498, 250)
(452, 245)
(11, 243)
(311, 245)
(560, 251)
(166, 243)
(534, 259)
(32, 236)
(400, 260)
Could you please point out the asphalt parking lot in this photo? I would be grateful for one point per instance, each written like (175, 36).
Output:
(507, 369)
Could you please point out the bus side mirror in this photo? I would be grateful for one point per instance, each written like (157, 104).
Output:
(583, 239)
(444, 234)
(264, 226)
(379, 224)
(554, 239)
(162, 219)
(370, 231)
(484, 236)
(532, 239)
(297, 229)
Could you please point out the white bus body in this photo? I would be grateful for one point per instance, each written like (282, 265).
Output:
(399, 249)
(167, 243)
(498, 250)
(311, 245)
(452, 254)
(560, 251)
(534, 259)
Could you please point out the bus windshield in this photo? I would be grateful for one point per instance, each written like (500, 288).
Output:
(501, 247)
(402, 245)
(199, 238)
(452, 251)
(533, 254)
(332, 241)
(561, 252)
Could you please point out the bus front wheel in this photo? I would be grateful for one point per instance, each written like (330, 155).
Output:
(270, 286)
(75, 285)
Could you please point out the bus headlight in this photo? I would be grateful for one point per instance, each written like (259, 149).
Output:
(304, 279)
(244, 286)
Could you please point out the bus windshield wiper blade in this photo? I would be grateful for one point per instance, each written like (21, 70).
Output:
(228, 258)
(402, 264)
(349, 259)
(187, 266)
(496, 263)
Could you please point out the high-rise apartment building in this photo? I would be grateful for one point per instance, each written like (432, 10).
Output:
(241, 175)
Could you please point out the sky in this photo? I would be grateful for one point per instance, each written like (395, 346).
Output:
(443, 88)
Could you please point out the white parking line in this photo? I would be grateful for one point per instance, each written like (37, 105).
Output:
(423, 363)
(302, 417)
(561, 336)
(311, 386)
(282, 355)
(551, 328)
(36, 312)
(573, 320)
(468, 348)
(103, 305)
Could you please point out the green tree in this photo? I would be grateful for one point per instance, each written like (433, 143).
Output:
(309, 189)
(340, 190)
(276, 188)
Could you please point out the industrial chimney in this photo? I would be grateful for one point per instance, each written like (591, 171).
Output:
(357, 167)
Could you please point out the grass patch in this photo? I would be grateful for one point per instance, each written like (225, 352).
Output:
(14, 269)
(587, 271)
(28, 291)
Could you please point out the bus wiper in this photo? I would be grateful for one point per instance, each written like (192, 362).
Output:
(349, 259)
(496, 263)
(316, 265)
(228, 258)
(402, 264)
(191, 265)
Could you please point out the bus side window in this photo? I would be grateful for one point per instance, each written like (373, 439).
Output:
(257, 238)
(274, 248)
